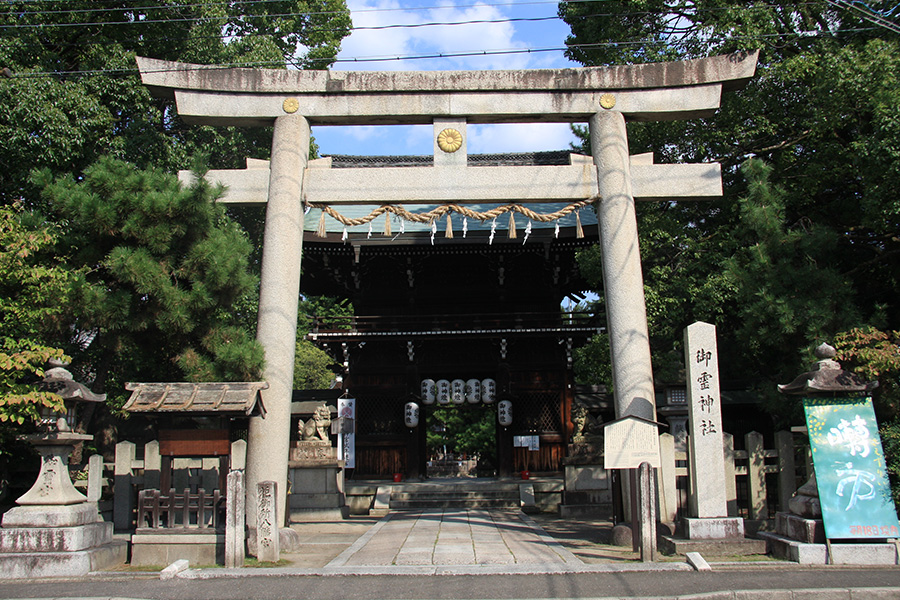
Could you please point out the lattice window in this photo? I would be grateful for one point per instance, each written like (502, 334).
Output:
(537, 412)
(379, 415)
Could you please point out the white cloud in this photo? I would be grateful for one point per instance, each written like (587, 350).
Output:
(432, 40)
(519, 137)
(448, 39)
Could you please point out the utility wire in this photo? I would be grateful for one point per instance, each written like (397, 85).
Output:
(867, 13)
(319, 13)
(387, 58)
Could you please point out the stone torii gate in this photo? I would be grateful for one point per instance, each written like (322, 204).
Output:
(606, 97)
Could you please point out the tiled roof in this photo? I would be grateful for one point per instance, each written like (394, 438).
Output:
(184, 397)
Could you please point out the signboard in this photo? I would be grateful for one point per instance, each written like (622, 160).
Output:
(850, 470)
(346, 449)
(630, 441)
(532, 442)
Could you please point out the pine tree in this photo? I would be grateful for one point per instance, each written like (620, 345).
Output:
(161, 267)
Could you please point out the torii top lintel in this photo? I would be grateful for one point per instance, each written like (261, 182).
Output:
(647, 92)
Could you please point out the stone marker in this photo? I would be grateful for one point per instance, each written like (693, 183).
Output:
(708, 503)
(647, 512)
(267, 543)
(95, 478)
(234, 520)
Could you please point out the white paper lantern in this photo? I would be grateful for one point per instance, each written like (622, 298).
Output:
(458, 391)
(504, 413)
(411, 414)
(488, 391)
(443, 391)
(473, 391)
(428, 391)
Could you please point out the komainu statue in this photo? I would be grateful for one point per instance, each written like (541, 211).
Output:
(316, 428)
(587, 426)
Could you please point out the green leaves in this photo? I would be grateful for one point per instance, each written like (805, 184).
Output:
(160, 265)
(33, 288)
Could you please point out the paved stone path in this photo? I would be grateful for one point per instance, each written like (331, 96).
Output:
(452, 537)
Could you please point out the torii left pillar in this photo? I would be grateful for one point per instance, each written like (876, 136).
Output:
(269, 439)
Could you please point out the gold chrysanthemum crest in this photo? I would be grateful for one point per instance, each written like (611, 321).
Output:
(449, 140)
(607, 101)
(290, 105)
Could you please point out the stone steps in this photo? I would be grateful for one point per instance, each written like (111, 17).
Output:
(501, 496)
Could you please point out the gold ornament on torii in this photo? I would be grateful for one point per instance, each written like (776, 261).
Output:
(449, 140)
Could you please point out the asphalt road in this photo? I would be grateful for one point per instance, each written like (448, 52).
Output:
(408, 587)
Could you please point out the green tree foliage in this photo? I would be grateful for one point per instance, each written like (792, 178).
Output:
(793, 252)
(313, 367)
(32, 295)
(162, 265)
(875, 355)
(469, 430)
(75, 94)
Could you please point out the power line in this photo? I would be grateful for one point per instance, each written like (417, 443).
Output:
(867, 13)
(461, 54)
(319, 13)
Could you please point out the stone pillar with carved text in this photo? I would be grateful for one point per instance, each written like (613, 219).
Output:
(269, 438)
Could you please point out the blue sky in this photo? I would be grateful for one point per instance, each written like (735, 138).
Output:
(449, 39)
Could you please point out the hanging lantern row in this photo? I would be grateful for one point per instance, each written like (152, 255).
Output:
(458, 391)
(445, 210)
(411, 414)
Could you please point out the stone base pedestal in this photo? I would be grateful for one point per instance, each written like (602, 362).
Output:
(714, 536)
(161, 547)
(802, 540)
(714, 528)
(808, 531)
(57, 541)
(317, 491)
(722, 547)
(841, 554)
(587, 489)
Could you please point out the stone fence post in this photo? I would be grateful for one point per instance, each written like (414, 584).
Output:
(123, 501)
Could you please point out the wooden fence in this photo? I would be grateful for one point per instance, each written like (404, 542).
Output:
(132, 475)
(751, 472)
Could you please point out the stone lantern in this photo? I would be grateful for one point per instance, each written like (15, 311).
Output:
(826, 378)
(800, 533)
(54, 530)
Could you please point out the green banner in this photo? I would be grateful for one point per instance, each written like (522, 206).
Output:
(850, 468)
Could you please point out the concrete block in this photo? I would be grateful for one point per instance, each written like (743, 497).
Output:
(714, 528)
(382, 498)
(70, 515)
(763, 595)
(828, 594)
(164, 549)
(697, 561)
(174, 569)
(21, 565)
(863, 554)
(586, 477)
(55, 539)
(809, 531)
(874, 593)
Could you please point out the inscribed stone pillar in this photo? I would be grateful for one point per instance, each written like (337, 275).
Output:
(623, 283)
(269, 437)
(267, 523)
(705, 414)
(234, 520)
